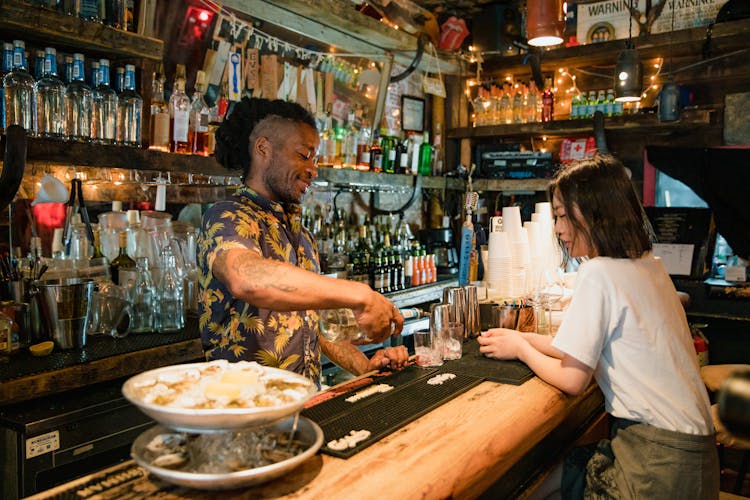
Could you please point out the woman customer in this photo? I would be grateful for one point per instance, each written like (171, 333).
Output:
(624, 326)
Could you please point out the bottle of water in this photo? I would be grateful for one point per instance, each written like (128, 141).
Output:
(78, 98)
(39, 65)
(68, 70)
(7, 65)
(169, 294)
(104, 112)
(144, 299)
(50, 99)
(129, 111)
(19, 91)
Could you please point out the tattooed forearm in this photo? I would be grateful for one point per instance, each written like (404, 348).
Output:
(345, 355)
(263, 273)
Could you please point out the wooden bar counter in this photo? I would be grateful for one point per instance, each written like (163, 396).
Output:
(490, 440)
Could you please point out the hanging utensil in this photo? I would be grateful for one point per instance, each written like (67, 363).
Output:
(76, 204)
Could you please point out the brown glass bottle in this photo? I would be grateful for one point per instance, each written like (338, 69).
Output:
(122, 261)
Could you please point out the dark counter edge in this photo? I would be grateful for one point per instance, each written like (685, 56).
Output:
(102, 370)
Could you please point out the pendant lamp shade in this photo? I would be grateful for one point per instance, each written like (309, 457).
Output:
(545, 22)
(628, 76)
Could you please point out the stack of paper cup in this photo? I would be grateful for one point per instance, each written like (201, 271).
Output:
(498, 270)
(536, 261)
(519, 250)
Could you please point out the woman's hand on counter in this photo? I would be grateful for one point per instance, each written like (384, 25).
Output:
(394, 358)
(501, 343)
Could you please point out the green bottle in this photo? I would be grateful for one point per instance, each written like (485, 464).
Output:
(425, 156)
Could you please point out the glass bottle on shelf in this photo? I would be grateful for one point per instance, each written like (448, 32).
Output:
(363, 147)
(145, 303)
(97, 253)
(39, 65)
(5, 68)
(93, 83)
(89, 10)
(129, 111)
(67, 70)
(19, 91)
(199, 116)
(50, 99)
(159, 116)
(179, 115)
(548, 101)
(425, 156)
(119, 81)
(123, 260)
(169, 294)
(106, 106)
(350, 145)
(114, 13)
(327, 146)
(376, 154)
(388, 144)
(78, 98)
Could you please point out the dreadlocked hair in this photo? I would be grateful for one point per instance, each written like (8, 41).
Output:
(232, 136)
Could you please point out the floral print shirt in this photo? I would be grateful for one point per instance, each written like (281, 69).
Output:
(234, 330)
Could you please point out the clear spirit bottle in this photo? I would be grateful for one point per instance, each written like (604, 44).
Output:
(78, 98)
(105, 106)
(159, 116)
(119, 81)
(96, 117)
(169, 294)
(68, 70)
(50, 99)
(179, 115)
(5, 67)
(199, 118)
(145, 303)
(129, 111)
(19, 91)
(39, 65)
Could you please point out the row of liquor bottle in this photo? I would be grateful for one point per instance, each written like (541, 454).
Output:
(387, 271)
(519, 103)
(115, 13)
(49, 107)
(353, 146)
(582, 106)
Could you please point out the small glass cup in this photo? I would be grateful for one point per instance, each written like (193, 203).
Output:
(453, 336)
(426, 349)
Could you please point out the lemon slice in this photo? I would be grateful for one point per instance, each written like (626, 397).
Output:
(42, 348)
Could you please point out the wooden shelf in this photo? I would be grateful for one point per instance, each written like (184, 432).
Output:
(421, 294)
(511, 185)
(96, 155)
(725, 38)
(44, 26)
(640, 123)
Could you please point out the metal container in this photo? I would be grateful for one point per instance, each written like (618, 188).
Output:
(456, 296)
(472, 325)
(307, 432)
(65, 307)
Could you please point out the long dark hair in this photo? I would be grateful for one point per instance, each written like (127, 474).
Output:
(232, 136)
(613, 219)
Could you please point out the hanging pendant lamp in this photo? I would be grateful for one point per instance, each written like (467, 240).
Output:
(545, 22)
(629, 70)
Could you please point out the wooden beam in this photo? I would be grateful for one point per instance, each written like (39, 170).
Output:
(337, 23)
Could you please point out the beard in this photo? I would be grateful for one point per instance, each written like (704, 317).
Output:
(282, 184)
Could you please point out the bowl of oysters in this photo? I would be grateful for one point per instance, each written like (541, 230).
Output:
(217, 396)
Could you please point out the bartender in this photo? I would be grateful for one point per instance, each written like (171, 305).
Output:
(260, 281)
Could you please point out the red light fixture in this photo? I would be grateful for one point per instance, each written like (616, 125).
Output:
(545, 22)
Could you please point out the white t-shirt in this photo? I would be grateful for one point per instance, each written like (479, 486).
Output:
(626, 322)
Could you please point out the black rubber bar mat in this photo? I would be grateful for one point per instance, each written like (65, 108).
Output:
(392, 411)
(332, 408)
(475, 364)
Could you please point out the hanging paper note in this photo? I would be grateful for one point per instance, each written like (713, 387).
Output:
(234, 74)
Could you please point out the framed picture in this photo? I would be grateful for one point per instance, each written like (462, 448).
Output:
(412, 113)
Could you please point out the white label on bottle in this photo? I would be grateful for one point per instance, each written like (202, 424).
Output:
(392, 155)
(17, 59)
(180, 127)
(44, 443)
(161, 129)
(202, 122)
(366, 157)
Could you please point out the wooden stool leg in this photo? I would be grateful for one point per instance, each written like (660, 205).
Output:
(741, 472)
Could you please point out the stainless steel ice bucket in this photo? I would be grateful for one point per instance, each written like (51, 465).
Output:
(65, 307)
